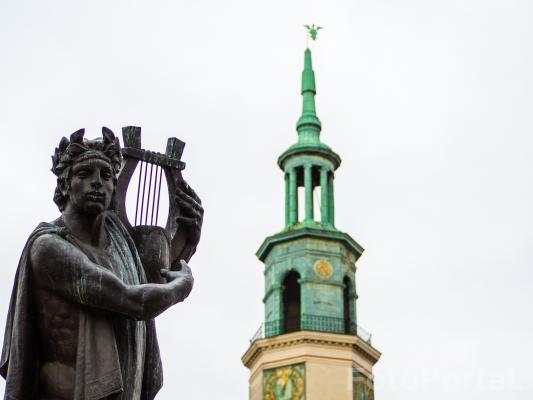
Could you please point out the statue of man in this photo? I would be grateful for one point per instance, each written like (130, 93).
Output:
(80, 323)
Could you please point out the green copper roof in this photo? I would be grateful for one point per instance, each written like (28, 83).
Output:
(308, 125)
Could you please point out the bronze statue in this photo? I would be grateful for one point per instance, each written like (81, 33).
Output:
(89, 284)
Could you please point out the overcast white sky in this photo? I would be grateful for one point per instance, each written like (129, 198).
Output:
(428, 103)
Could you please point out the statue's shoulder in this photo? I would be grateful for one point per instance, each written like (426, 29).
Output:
(44, 242)
(48, 229)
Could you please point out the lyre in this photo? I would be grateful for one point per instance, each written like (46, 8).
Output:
(151, 239)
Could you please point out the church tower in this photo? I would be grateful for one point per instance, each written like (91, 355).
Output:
(310, 345)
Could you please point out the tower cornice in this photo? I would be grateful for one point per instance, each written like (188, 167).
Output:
(298, 233)
(303, 338)
(303, 149)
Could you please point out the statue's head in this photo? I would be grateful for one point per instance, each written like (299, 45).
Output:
(86, 171)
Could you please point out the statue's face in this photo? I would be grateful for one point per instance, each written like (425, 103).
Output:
(91, 186)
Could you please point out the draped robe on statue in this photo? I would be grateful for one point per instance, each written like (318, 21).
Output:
(116, 357)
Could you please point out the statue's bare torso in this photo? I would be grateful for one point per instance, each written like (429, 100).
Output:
(58, 320)
(58, 337)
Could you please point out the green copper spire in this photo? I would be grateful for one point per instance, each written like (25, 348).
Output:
(309, 164)
(308, 125)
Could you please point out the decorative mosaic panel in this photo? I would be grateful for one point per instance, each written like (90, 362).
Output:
(284, 383)
(363, 386)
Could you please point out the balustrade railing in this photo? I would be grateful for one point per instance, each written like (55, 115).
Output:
(309, 322)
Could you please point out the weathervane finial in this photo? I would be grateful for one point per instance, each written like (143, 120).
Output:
(313, 30)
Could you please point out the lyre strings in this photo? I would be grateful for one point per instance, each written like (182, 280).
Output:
(148, 196)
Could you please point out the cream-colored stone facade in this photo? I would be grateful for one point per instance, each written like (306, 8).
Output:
(329, 362)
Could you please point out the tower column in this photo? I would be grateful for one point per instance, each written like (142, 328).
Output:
(331, 206)
(293, 197)
(308, 183)
(324, 197)
(287, 200)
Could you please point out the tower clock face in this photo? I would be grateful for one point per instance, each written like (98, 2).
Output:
(363, 387)
(323, 268)
(284, 383)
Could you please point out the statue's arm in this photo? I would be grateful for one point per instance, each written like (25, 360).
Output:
(62, 268)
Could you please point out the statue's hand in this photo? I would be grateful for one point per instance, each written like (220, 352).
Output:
(182, 280)
(192, 213)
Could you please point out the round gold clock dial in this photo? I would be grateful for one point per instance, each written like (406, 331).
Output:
(323, 268)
